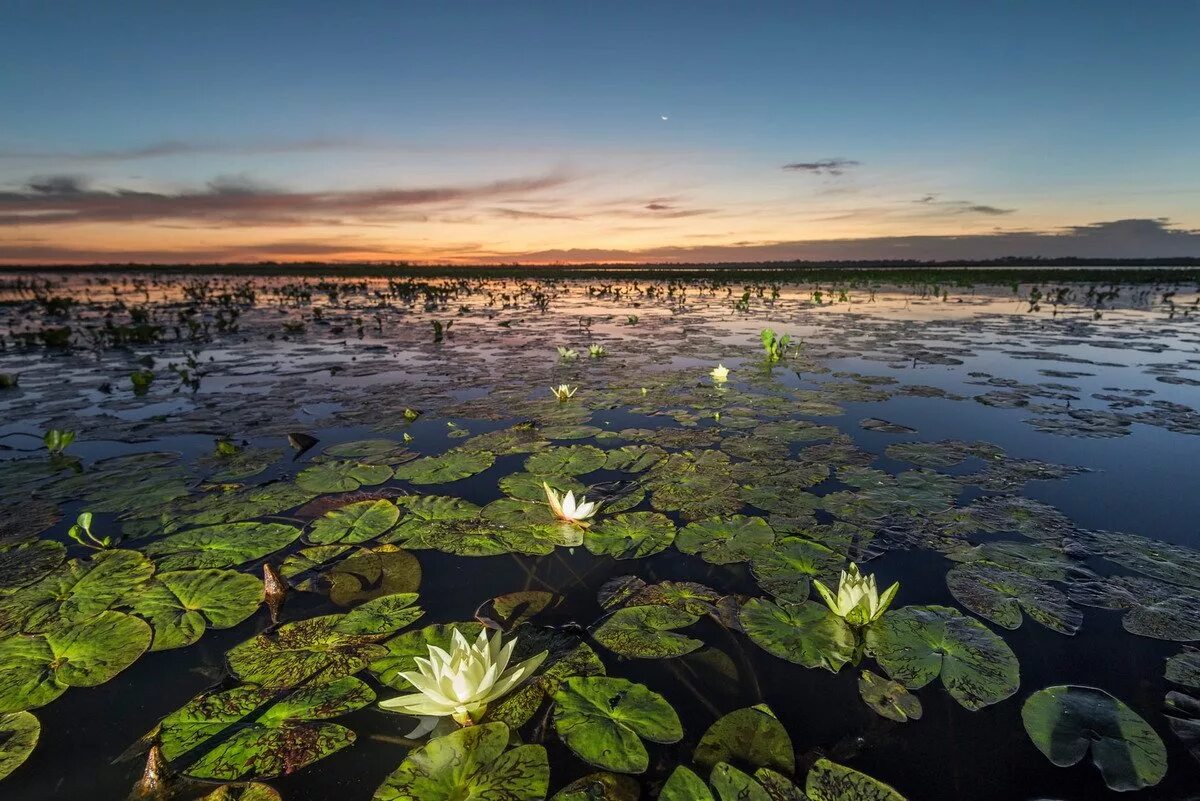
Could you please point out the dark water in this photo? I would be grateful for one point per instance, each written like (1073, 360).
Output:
(260, 381)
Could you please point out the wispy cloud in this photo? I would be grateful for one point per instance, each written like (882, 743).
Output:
(837, 166)
(960, 206)
(237, 201)
(168, 148)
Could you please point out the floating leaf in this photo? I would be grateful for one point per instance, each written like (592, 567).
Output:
(27, 562)
(341, 476)
(1184, 668)
(631, 536)
(1183, 716)
(1065, 720)
(180, 605)
(75, 591)
(571, 460)
(468, 764)
(806, 633)
(684, 785)
(999, 595)
(916, 644)
(1153, 608)
(19, 733)
(506, 612)
(751, 736)
(633, 458)
(252, 791)
(372, 573)
(354, 523)
(453, 465)
(829, 781)
(528, 486)
(37, 668)
(600, 787)
(786, 568)
(252, 732)
(519, 707)
(891, 699)
(371, 451)
(604, 720)
(223, 545)
(647, 632)
(723, 541)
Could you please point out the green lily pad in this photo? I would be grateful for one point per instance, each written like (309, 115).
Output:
(250, 791)
(1183, 716)
(341, 476)
(354, 523)
(37, 668)
(806, 633)
(521, 438)
(19, 732)
(528, 486)
(688, 596)
(697, 484)
(1177, 564)
(180, 605)
(1152, 608)
(241, 464)
(751, 736)
(786, 568)
(1184, 668)
(684, 785)
(891, 699)
(470, 763)
(223, 545)
(916, 644)
(829, 781)
(600, 787)
(633, 458)
(1066, 720)
(507, 612)
(604, 720)
(569, 460)
(27, 562)
(1000, 595)
(630, 536)
(252, 732)
(371, 451)
(317, 649)
(453, 465)
(647, 632)
(75, 591)
(518, 707)
(722, 541)
(371, 573)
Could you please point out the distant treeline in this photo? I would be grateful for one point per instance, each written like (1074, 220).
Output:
(1011, 269)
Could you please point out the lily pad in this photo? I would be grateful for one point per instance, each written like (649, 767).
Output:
(600, 787)
(630, 536)
(253, 732)
(371, 573)
(75, 591)
(1066, 720)
(37, 668)
(604, 720)
(891, 699)
(786, 568)
(1000, 595)
(916, 644)
(354, 523)
(27, 562)
(180, 605)
(468, 764)
(751, 736)
(19, 732)
(806, 633)
(829, 781)
(223, 545)
(722, 541)
(341, 476)
(570, 460)
(250, 791)
(647, 632)
(399, 654)
(453, 465)
(1184, 668)
(1152, 608)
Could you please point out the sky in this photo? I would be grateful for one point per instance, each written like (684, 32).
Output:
(545, 132)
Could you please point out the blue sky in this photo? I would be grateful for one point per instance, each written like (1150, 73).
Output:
(495, 131)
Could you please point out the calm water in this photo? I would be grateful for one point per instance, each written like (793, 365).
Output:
(1092, 401)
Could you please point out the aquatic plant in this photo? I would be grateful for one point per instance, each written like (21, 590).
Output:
(774, 346)
(720, 373)
(596, 351)
(8, 380)
(564, 391)
(141, 380)
(567, 509)
(440, 329)
(462, 682)
(857, 599)
(57, 440)
(567, 354)
(81, 532)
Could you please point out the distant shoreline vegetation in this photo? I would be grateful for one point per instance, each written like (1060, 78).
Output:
(1021, 269)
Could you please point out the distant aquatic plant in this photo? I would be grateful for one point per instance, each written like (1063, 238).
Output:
(631, 320)
(57, 440)
(141, 380)
(81, 532)
(596, 351)
(440, 329)
(857, 600)
(720, 373)
(564, 391)
(567, 354)
(8, 380)
(567, 509)
(774, 346)
(411, 414)
(462, 682)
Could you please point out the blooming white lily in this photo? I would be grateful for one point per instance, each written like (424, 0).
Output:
(463, 682)
(596, 351)
(720, 374)
(567, 354)
(565, 507)
(564, 391)
(857, 599)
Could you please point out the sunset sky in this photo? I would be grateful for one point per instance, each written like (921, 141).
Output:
(610, 131)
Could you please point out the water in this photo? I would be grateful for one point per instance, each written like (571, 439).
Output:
(1107, 384)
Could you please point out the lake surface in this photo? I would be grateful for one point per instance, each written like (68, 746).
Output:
(1024, 460)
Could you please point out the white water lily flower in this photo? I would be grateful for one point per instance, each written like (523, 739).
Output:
(463, 682)
(596, 351)
(720, 374)
(565, 507)
(564, 391)
(857, 599)
(567, 354)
